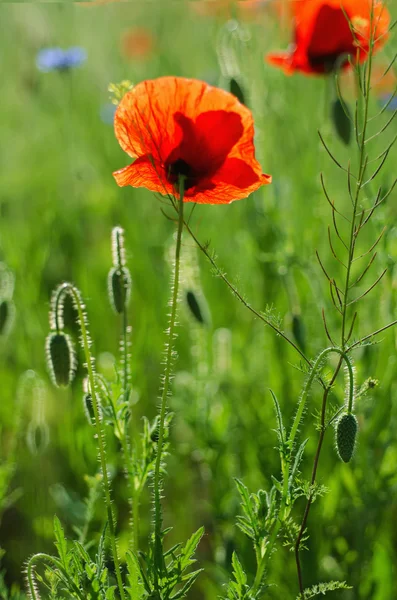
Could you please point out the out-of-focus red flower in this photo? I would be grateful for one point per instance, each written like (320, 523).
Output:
(183, 127)
(137, 43)
(325, 30)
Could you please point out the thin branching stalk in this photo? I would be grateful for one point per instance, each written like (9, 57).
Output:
(167, 374)
(361, 138)
(234, 290)
(68, 288)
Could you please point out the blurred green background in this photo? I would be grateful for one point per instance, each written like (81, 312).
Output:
(58, 204)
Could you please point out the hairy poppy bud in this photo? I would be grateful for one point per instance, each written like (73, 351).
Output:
(119, 288)
(88, 408)
(61, 358)
(346, 432)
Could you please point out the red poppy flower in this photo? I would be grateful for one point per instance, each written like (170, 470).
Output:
(137, 43)
(323, 34)
(174, 126)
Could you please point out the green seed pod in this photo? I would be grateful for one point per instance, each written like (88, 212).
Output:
(346, 432)
(119, 288)
(61, 358)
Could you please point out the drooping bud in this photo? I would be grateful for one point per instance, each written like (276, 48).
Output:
(37, 436)
(194, 306)
(7, 311)
(88, 408)
(346, 432)
(119, 288)
(61, 358)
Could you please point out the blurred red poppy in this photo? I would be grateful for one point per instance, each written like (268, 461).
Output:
(137, 43)
(183, 127)
(326, 30)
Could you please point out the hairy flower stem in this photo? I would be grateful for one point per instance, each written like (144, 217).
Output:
(100, 435)
(32, 586)
(313, 373)
(167, 373)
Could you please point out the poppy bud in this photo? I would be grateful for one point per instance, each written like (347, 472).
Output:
(298, 330)
(346, 432)
(37, 437)
(119, 288)
(6, 315)
(155, 431)
(342, 120)
(194, 306)
(61, 358)
(88, 408)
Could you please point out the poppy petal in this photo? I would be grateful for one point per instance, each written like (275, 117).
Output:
(143, 172)
(235, 180)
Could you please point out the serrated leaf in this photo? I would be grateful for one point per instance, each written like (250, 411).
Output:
(135, 579)
(110, 593)
(61, 542)
(322, 588)
(248, 531)
(297, 461)
(238, 571)
(190, 548)
(280, 425)
(277, 484)
(192, 578)
(341, 120)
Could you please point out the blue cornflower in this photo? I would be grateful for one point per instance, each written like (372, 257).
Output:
(385, 98)
(56, 59)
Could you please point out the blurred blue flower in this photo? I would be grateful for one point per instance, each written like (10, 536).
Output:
(107, 113)
(387, 98)
(56, 59)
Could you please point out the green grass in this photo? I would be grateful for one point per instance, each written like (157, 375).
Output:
(58, 204)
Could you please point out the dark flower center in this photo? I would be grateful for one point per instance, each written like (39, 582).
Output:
(180, 168)
(326, 63)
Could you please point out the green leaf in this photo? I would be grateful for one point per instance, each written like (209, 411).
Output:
(322, 588)
(110, 593)
(61, 542)
(190, 548)
(280, 425)
(341, 119)
(190, 581)
(238, 571)
(135, 588)
(297, 461)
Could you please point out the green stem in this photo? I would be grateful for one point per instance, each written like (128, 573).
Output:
(167, 375)
(359, 186)
(314, 371)
(100, 435)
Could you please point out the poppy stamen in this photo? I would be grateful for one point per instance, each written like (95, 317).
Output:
(180, 168)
